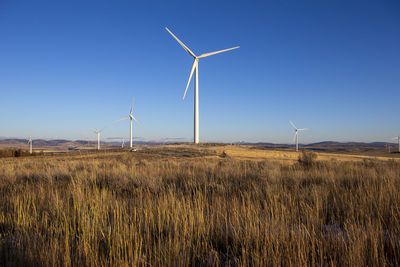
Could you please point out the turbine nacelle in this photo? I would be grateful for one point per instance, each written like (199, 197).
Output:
(130, 116)
(196, 58)
(295, 128)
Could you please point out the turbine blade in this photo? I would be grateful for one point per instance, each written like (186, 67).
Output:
(182, 44)
(293, 125)
(217, 52)
(127, 117)
(132, 106)
(136, 120)
(302, 129)
(194, 66)
(294, 137)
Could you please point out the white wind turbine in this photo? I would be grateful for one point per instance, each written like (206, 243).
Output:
(83, 139)
(30, 145)
(98, 137)
(130, 116)
(388, 147)
(195, 66)
(122, 139)
(398, 140)
(296, 134)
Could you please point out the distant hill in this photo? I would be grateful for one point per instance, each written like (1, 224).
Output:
(63, 144)
(60, 144)
(42, 144)
(333, 146)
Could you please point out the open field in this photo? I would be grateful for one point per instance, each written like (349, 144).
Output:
(184, 205)
(254, 153)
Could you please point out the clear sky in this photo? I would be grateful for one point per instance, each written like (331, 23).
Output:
(332, 66)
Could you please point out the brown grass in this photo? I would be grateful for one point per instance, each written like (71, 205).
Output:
(290, 156)
(154, 209)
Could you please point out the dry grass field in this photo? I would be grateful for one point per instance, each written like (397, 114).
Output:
(290, 156)
(180, 206)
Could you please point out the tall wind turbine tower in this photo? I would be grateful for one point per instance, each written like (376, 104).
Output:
(398, 140)
(296, 134)
(130, 116)
(30, 145)
(195, 67)
(98, 137)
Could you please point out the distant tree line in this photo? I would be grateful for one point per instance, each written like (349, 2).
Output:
(18, 153)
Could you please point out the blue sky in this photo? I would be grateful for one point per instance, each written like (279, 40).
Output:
(332, 66)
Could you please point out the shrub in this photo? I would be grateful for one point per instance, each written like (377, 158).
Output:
(307, 159)
(17, 153)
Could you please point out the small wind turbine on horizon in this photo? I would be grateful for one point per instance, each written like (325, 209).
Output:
(388, 147)
(84, 140)
(130, 116)
(296, 134)
(398, 140)
(195, 66)
(30, 145)
(98, 137)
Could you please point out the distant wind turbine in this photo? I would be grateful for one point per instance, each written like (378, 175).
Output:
(83, 139)
(398, 140)
(118, 138)
(30, 145)
(98, 137)
(130, 116)
(195, 66)
(296, 134)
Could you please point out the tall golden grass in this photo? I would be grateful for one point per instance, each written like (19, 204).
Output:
(153, 210)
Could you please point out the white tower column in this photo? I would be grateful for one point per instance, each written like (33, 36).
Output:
(130, 137)
(30, 147)
(297, 141)
(98, 141)
(196, 106)
(398, 140)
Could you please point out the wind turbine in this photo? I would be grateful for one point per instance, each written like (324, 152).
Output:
(122, 139)
(398, 140)
(388, 147)
(30, 145)
(195, 66)
(296, 134)
(98, 137)
(83, 139)
(130, 116)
